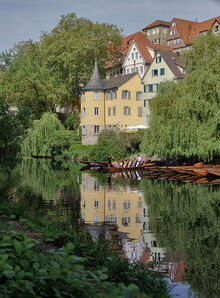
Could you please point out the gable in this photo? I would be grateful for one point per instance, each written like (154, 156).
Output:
(133, 55)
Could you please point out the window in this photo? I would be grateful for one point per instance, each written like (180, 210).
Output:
(83, 96)
(139, 111)
(83, 112)
(139, 204)
(136, 55)
(148, 33)
(95, 95)
(153, 31)
(169, 43)
(109, 204)
(126, 205)
(155, 72)
(83, 130)
(141, 69)
(114, 205)
(138, 218)
(145, 103)
(96, 204)
(138, 95)
(109, 111)
(127, 110)
(96, 219)
(136, 69)
(132, 70)
(158, 59)
(173, 24)
(96, 129)
(114, 111)
(96, 111)
(109, 95)
(157, 30)
(162, 71)
(164, 30)
(132, 56)
(126, 94)
(152, 88)
(172, 32)
(114, 94)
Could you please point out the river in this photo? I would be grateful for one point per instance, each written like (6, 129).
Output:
(173, 226)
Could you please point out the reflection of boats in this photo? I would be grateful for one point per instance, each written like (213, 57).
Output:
(192, 173)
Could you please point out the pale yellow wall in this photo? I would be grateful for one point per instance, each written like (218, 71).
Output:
(121, 120)
(89, 104)
(133, 85)
(119, 195)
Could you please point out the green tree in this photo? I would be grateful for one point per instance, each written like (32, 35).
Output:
(69, 52)
(186, 116)
(12, 126)
(47, 137)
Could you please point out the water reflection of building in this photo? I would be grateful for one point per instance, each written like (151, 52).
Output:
(120, 212)
(120, 206)
(167, 264)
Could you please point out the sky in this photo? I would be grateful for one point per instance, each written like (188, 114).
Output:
(21, 20)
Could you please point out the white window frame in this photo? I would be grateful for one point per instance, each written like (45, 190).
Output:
(96, 111)
(96, 129)
(96, 95)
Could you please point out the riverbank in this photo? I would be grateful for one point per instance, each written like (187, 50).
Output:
(39, 258)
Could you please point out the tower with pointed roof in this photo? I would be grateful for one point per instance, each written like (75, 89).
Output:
(110, 104)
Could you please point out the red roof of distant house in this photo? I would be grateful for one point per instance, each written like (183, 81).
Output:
(184, 27)
(157, 23)
(143, 44)
(146, 256)
(201, 27)
(180, 271)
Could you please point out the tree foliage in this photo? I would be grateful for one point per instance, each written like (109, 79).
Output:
(186, 116)
(48, 137)
(185, 219)
(12, 126)
(41, 75)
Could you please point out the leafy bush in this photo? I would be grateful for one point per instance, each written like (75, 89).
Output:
(24, 272)
(121, 144)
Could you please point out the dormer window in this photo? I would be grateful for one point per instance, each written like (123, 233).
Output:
(158, 59)
(173, 24)
(172, 32)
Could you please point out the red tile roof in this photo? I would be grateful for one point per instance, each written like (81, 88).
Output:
(201, 27)
(184, 27)
(157, 23)
(143, 43)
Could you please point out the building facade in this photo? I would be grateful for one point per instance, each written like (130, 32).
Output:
(166, 66)
(183, 33)
(157, 31)
(110, 104)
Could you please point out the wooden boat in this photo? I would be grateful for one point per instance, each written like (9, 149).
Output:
(214, 171)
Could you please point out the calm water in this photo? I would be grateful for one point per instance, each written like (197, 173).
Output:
(173, 224)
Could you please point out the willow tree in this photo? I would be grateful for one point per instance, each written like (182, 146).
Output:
(185, 116)
(47, 137)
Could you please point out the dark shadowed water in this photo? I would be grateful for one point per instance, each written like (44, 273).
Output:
(173, 225)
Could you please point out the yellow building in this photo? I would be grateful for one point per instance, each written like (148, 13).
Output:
(115, 104)
(118, 206)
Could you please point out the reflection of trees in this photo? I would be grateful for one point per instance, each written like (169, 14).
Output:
(49, 192)
(184, 218)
